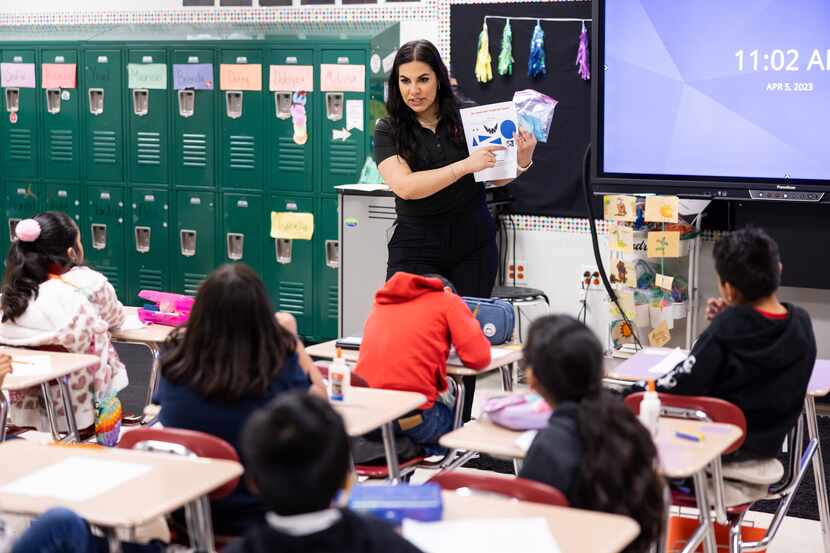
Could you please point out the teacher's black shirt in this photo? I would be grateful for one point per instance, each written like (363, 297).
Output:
(433, 151)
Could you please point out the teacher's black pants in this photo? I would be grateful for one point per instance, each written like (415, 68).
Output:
(460, 247)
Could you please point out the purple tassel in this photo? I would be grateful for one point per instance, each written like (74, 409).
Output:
(536, 63)
(582, 54)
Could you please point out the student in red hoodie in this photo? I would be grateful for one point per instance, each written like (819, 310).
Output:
(406, 342)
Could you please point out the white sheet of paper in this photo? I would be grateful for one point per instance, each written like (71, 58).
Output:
(31, 365)
(493, 125)
(525, 439)
(669, 362)
(495, 353)
(75, 479)
(354, 114)
(494, 535)
(131, 321)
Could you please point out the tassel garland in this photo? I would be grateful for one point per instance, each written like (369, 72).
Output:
(582, 55)
(536, 63)
(484, 63)
(506, 54)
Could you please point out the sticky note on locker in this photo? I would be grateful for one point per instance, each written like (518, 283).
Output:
(152, 76)
(58, 75)
(293, 226)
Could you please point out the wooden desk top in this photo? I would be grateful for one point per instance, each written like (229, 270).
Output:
(507, 354)
(367, 409)
(149, 334)
(62, 363)
(171, 482)
(484, 436)
(575, 530)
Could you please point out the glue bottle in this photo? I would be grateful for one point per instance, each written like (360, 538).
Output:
(339, 377)
(650, 409)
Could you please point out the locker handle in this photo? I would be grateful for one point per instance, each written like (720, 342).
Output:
(187, 102)
(141, 101)
(12, 226)
(334, 106)
(233, 103)
(53, 100)
(142, 239)
(12, 100)
(96, 101)
(333, 254)
(283, 250)
(236, 245)
(282, 102)
(187, 240)
(99, 236)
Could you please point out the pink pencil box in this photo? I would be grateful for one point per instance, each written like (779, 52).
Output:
(166, 308)
(518, 411)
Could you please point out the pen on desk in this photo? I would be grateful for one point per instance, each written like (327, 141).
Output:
(690, 437)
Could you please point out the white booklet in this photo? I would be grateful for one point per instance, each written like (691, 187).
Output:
(493, 125)
(492, 535)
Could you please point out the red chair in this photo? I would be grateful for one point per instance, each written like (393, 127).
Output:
(517, 488)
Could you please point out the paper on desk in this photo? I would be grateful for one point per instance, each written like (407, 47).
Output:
(76, 479)
(495, 354)
(669, 362)
(528, 535)
(31, 365)
(525, 439)
(493, 125)
(131, 321)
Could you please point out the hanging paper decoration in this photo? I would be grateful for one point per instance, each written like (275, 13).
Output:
(536, 63)
(484, 63)
(582, 54)
(506, 54)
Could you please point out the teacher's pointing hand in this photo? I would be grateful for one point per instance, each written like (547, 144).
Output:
(481, 159)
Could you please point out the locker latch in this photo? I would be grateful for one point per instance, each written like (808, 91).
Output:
(53, 100)
(283, 249)
(333, 254)
(283, 104)
(96, 101)
(187, 102)
(233, 103)
(12, 226)
(334, 106)
(99, 236)
(187, 239)
(12, 100)
(236, 245)
(142, 239)
(141, 101)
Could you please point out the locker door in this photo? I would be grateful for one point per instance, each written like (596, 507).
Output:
(60, 121)
(194, 241)
(242, 127)
(66, 198)
(103, 234)
(194, 132)
(290, 148)
(149, 113)
(242, 229)
(103, 158)
(288, 265)
(18, 123)
(21, 201)
(327, 263)
(148, 243)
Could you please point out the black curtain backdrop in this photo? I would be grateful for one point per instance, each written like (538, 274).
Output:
(552, 186)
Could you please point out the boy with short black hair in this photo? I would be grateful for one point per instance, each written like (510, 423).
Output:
(298, 459)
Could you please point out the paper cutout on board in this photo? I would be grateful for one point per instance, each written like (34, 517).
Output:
(58, 75)
(354, 115)
(17, 75)
(342, 77)
(621, 333)
(663, 244)
(619, 208)
(620, 238)
(299, 118)
(660, 336)
(662, 209)
(626, 299)
(663, 281)
(240, 76)
(152, 76)
(623, 273)
(291, 78)
(195, 76)
(294, 226)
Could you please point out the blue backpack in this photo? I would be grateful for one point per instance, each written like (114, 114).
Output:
(495, 317)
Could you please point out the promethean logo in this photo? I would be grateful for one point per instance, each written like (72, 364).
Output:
(784, 187)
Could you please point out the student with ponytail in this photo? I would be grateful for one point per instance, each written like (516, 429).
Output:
(594, 449)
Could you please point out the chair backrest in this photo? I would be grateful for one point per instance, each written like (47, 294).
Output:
(356, 380)
(697, 408)
(518, 488)
(183, 442)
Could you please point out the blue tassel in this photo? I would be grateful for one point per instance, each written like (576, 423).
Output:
(536, 63)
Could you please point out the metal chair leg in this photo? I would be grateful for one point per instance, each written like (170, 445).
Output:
(66, 397)
(50, 412)
(199, 525)
(4, 415)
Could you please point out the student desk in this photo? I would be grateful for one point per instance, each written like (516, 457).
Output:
(61, 365)
(366, 409)
(575, 530)
(172, 482)
(637, 368)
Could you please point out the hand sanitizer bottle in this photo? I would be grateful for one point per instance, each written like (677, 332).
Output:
(650, 409)
(339, 378)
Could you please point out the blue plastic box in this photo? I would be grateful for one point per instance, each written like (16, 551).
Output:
(393, 503)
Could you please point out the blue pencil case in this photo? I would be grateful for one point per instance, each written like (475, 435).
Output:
(393, 503)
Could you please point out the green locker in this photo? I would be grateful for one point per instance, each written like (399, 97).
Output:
(149, 113)
(343, 148)
(18, 124)
(60, 116)
(242, 128)
(103, 115)
(290, 160)
(21, 200)
(242, 229)
(103, 234)
(194, 241)
(194, 135)
(64, 197)
(148, 243)
(288, 270)
(327, 264)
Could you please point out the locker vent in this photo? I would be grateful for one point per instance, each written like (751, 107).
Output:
(243, 152)
(60, 145)
(20, 144)
(104, 147)
(149, 148)
(113, 275)
(332, 313)
(150, 279)
(194, 150)
(291, 298)
(343, 160)
(192, 282)
(291, 157)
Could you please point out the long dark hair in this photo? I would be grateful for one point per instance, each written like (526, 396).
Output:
(618, 472)
(28, 263)
(232, 345)
(403, 120)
